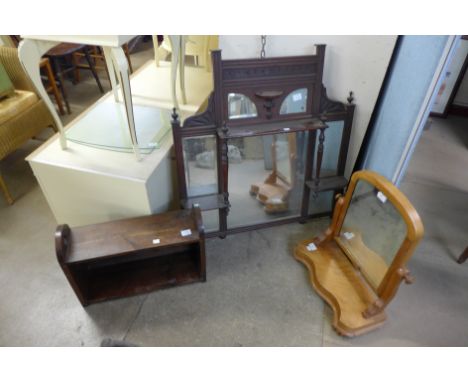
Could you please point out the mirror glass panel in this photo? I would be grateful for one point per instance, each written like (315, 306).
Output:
(295, 102)
(264, 180)
(372, 232)
(284, 154)
(240, 106)
(325, 201)
(211, 220)
(200, 165)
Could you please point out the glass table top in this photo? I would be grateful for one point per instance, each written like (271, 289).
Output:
(105, 126)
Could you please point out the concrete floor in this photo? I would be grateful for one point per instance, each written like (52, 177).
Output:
(256, 293)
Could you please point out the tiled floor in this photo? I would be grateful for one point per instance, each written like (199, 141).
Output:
(256, 293)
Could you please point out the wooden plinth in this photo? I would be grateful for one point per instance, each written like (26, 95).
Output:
(337, 281)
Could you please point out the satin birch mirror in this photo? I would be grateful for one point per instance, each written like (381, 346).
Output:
(359, 262)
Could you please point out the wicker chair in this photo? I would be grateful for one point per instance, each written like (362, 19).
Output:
(28, 121)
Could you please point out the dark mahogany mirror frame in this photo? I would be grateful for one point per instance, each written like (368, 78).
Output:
(267, 82)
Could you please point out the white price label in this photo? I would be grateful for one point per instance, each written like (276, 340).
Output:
(381, 197)
(156, 241)
(311, 247)
(297, 97)
(186, 232)
(348, 235)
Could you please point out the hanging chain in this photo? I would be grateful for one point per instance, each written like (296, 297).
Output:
(262, 52)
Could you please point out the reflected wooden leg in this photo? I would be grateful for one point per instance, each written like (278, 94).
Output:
(463, 256)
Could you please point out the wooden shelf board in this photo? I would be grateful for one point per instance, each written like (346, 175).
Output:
(120, 237)
(328, 184)
(206, 202)
(269, 128)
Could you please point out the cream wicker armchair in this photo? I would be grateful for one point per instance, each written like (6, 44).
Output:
(23, 115)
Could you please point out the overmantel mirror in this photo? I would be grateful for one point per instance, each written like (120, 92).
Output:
(360, 261)
(268, 146)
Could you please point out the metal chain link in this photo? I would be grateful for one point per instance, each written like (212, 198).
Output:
(262, 52)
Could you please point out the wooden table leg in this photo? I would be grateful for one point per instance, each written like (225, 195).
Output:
(45, 63)
(92, 68)
(61, 81)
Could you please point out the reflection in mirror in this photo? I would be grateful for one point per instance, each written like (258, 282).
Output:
(200, 165)
(210, 220)
(284, 153)
(256, 192)
(295, 102)
(240, 106)
(372, 232)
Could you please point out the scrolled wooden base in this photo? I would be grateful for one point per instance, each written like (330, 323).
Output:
(342, 286)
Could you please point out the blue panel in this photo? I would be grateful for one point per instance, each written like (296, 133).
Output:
(413, 71)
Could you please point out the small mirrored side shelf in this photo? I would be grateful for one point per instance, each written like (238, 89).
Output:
(358, 264)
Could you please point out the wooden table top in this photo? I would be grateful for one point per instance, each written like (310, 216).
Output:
(121, 237)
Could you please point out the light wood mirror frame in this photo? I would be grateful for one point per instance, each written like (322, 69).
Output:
(357, 306)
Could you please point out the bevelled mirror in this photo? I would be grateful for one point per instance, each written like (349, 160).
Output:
(263, 185)
(359, 262)
(240, 106)
(200, 163)
(372, 232)
(295, 102)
